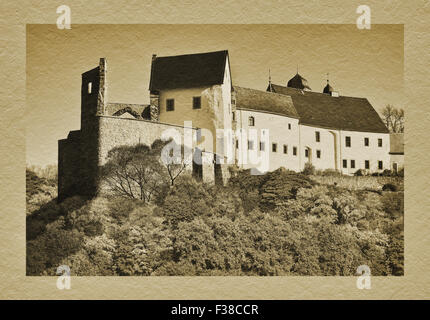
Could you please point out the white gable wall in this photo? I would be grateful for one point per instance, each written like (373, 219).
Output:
(359, 152)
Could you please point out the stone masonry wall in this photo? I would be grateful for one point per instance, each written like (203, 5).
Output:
(115, 131)
(69, 160)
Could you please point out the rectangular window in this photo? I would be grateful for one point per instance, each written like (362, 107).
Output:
(250, 145)
(234, 116)
(317, 136)
(197, 102)
(294, 151)
(352, 164)
(251, 121)
(274, 147)
(345, 163)
(262, 146)
(348, 141)
(170, 104)
(285, 149)
(318, 154)
(289, 126)
(380, 165)
(90, 87)
(379, 142)
(366, 142)
(366, 164)
(237, 144)
(307, 153)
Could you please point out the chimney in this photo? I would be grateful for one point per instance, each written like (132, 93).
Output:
(102, 94)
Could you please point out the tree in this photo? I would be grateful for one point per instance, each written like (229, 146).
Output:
(143, 172)
(134, 172)
(174, 157)
(394, 119)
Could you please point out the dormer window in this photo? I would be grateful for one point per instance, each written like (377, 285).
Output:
(90, 87)
(251, 121)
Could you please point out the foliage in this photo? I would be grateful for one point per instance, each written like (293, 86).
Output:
(394, 119)
(143, 172)
(359, 173)
(389, 187)
(279, 223)
(309, 169)
(328, 172)
(134, 172)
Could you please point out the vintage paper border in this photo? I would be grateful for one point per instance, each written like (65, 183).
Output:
(15, 15)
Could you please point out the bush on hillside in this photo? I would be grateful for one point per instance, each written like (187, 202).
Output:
(309, 169)
(280, 186)
(278, 223)
(359, 173)
(389, 187)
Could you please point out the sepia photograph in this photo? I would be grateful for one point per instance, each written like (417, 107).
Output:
(215, 150)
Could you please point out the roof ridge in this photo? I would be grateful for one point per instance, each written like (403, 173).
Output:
(136, 104)
(191, 54)
(316, 92)
(263, 91)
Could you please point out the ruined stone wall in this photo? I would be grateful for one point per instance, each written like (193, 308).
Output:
(93, 97)
(115, 131)
(69, 165)
(113, 107)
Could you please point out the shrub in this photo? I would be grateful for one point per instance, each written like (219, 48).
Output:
(186, 200)
(393, 204)
(330, 173)
(195, 243)
(389, 187)
(281, 186)
(387, 173)
(359, 173)
(401, 172)
(309, 169)
(120, 208)
(46, 251)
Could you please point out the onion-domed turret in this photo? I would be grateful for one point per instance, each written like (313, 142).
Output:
(328, 89)
(298, 82)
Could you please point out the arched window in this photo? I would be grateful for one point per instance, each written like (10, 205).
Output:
(251, 121)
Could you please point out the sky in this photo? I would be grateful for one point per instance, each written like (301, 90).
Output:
(360, 63)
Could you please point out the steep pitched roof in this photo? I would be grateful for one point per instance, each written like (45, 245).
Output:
(323, 110)
(264, 101)
(396, 143)
(188, 71)
(298, 82)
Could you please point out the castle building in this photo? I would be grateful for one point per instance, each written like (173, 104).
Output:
(397, 153)
(193, 95)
